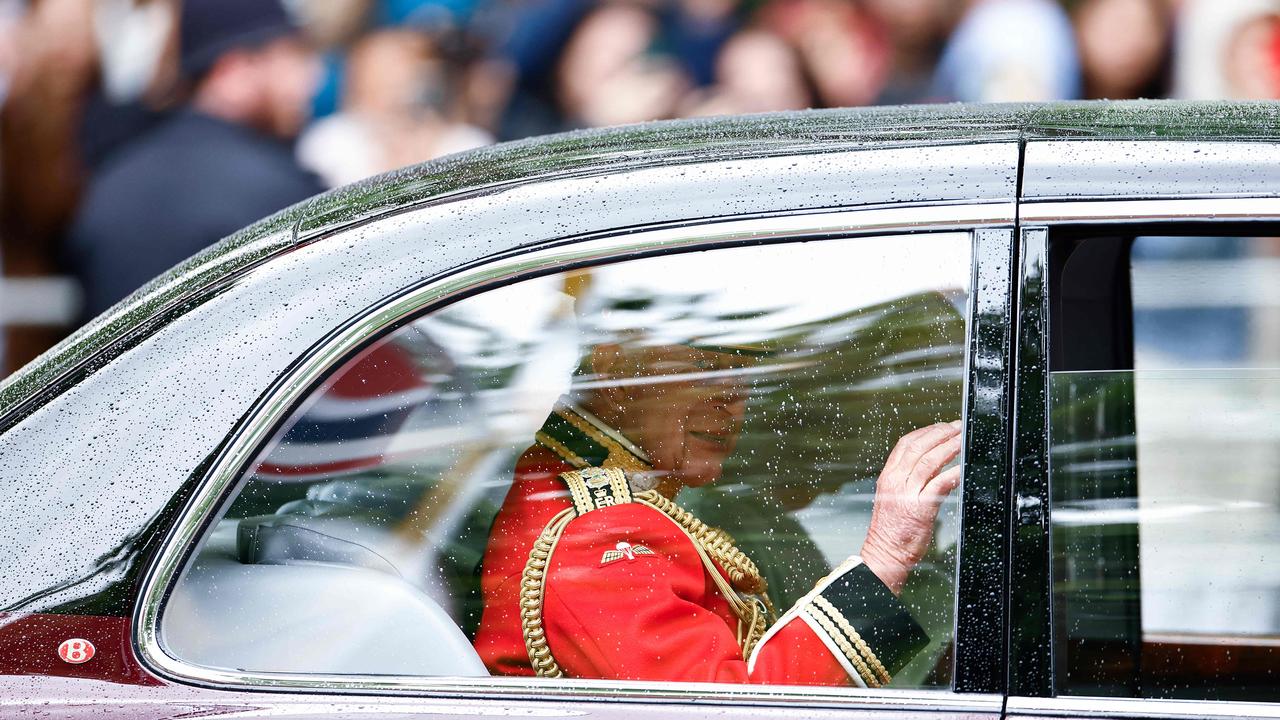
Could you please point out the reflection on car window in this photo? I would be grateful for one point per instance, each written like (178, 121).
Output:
(1165, 468)
(660, 469)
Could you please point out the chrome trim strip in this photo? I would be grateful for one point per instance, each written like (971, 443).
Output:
(227, 469)
(1139, 708)
(1133, 211)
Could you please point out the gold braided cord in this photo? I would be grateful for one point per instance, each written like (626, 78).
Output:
(834, 633)
(743, 573)
(752, 623)
(853, 635)
(560, 449)
(532, 589)
(755, 628)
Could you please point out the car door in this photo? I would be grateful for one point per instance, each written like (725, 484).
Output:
(1145, 451)
(324, 437)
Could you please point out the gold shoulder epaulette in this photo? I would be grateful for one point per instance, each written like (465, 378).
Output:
(595, 488)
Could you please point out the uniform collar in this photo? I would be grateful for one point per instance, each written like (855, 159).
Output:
(584, 440)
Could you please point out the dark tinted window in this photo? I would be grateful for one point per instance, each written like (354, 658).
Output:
(1165, 466)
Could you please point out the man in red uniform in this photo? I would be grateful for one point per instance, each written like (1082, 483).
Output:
(592, 571)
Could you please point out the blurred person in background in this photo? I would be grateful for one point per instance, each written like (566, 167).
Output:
(400, 106)
(1252, 62)
(10, 22)
(529, 38)
(219, 163)
(608, 74)
(755, 72)
(697, 31)
(332, 26)
(1206, 46)
(843, 50)
(137, 44)
(916, 31)
(53, 64)
(1124, 48)
(1009, 51)
(578, 63)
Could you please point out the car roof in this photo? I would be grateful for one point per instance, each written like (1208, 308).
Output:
(614, 150)
(727, 138)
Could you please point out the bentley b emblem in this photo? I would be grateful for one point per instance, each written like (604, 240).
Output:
(624, 551)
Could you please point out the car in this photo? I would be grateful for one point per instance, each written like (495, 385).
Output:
(269, 483)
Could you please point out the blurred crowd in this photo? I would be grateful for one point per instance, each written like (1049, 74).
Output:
(135, 132)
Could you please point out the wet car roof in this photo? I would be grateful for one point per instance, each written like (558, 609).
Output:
(703, 140)
(614, 150)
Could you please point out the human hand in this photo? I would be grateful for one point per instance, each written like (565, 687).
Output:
(909, 492)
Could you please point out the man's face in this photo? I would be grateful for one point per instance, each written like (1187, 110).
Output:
(684, 407)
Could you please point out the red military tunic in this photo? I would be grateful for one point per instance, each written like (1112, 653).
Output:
(610, 611)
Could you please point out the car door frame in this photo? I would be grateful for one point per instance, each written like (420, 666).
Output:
(1073, 184)
(977, 678)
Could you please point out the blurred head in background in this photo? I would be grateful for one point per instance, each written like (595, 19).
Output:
(757, 71)
(391, 72)
(402, 103)
(1252, 58)
(248, 63)
(915, 31)
(608, 73)
(842, 48)
(1124, 47)
(1212, 43)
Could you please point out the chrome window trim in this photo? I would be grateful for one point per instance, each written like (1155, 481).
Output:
(1139, 708)
(556, 256)
(1219, 209)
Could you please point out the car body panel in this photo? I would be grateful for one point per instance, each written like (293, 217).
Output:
(85, 699)
(1054, 708)
(145, 421)
(1059, 170)
(37, 637)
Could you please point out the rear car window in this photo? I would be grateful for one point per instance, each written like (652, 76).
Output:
(1165, 467)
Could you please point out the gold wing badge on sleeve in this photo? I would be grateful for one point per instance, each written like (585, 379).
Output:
(623, 550)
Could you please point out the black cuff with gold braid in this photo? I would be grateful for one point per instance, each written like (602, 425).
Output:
(863, 615)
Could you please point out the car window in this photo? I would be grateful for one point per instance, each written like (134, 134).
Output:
(636, 471)
(1165, 467)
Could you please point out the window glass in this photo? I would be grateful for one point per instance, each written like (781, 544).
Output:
(1165, 467)
(713, 423)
